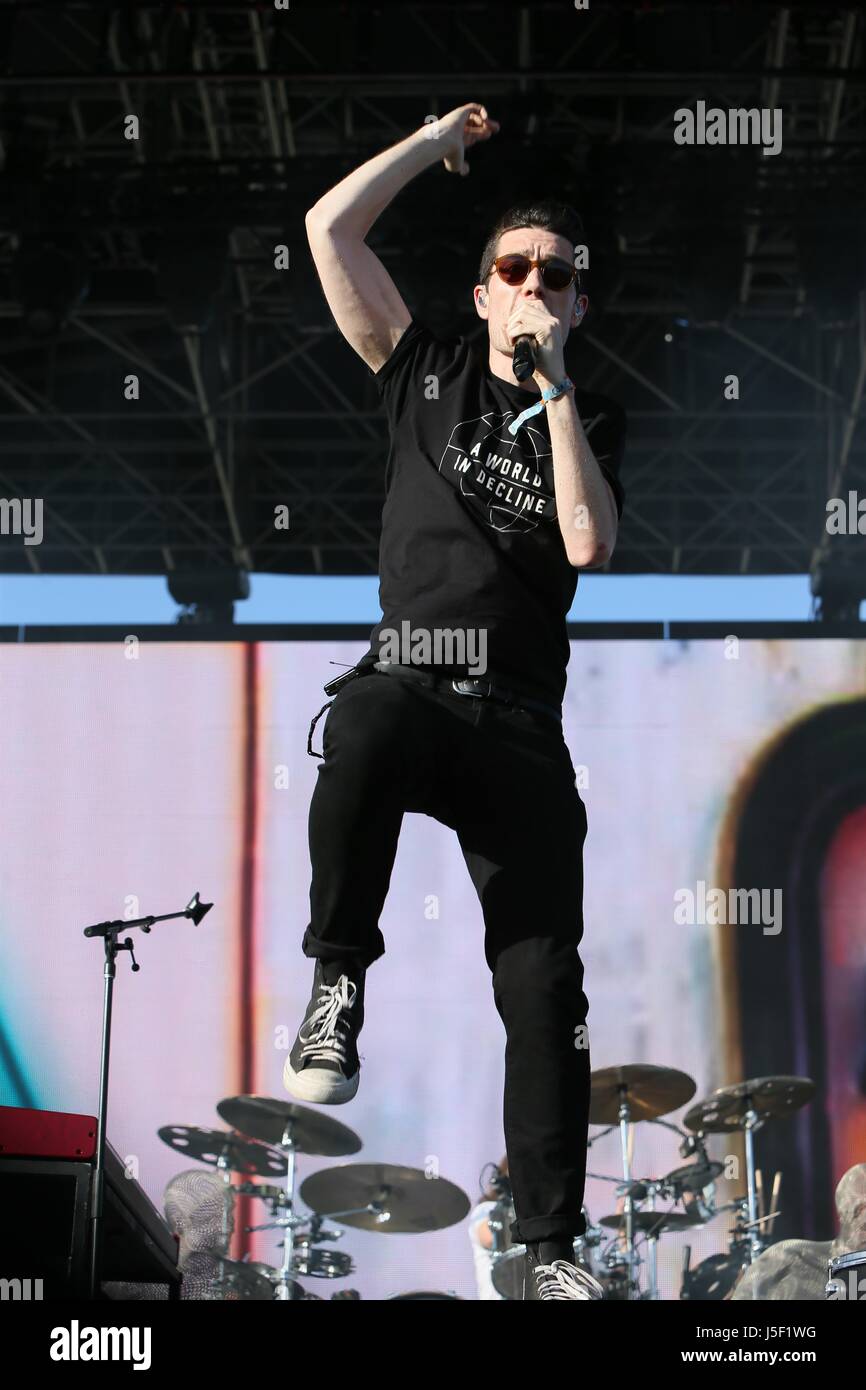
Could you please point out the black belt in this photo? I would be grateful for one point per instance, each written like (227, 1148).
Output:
(477, 686)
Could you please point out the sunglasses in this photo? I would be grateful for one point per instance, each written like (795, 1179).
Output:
(555, 273)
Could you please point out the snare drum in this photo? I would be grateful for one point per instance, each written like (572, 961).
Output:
(846, 1277)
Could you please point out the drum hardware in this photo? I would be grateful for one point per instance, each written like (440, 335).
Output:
(311, 1263)
(230, 1151)
(390, 1198)
(846, 1276)
(297, 1293)
(694, 1185)
(275, 1132)
(499, 1219)
(592, 1237)
(266, 1192)
(291, 1129)
(691, 1186)
(502, 1214)
(227, 1152)
(693, 1177)
(699, 1207)
(715, 1278)
(613, 1275)
(698, 1175)
(307, 1261)
(624, 1095)
(747, 1106)
(653, 1223)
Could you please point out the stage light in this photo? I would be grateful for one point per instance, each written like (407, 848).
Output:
(208, 596)
(839, 588)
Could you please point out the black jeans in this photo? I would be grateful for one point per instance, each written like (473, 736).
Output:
(503, 779)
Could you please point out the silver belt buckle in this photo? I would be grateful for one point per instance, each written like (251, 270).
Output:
(470, 680)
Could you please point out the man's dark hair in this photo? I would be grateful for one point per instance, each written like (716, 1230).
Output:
(546, 214)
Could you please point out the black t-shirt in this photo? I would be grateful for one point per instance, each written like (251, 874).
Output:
(470, 538)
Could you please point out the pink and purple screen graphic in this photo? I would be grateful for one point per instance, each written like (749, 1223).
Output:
(134, 776)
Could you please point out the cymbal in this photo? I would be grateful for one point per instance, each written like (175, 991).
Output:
(413, 1202)
(694, 1177)
(264, 1118)
(652, 1222)
(770, 1096)
(209, 1145)
(650, 1091)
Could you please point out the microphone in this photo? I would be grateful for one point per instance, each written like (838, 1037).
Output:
(523, 359)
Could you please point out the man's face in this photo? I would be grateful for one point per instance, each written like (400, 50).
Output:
(496, 301)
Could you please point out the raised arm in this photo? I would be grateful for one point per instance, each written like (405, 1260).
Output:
(367, 307)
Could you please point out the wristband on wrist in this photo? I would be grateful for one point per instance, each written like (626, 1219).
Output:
(550, 393)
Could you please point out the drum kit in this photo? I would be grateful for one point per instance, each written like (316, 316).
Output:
(626, 1264)
(265, 1138)
(262, 1145)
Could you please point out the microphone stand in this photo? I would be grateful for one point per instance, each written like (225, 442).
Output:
(195, 910)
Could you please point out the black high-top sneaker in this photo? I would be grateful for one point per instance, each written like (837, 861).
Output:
(323, 1064)
(552, 1277)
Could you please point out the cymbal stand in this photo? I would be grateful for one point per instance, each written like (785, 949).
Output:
(283, 1282)
(628, 1212)
(756, 1241)
(653, 1188)
(224, 1170)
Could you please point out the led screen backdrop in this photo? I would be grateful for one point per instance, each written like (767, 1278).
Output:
(134, 775)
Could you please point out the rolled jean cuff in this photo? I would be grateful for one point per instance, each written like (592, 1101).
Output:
(536, 1228)
(315, 947)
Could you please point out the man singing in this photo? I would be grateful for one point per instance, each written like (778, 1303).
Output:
(498, 492)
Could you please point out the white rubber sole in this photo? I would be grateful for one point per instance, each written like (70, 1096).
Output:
(319, 1085)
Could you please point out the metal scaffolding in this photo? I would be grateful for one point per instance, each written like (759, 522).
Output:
(705, 263)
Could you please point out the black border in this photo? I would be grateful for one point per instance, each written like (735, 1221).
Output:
(344, 632)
